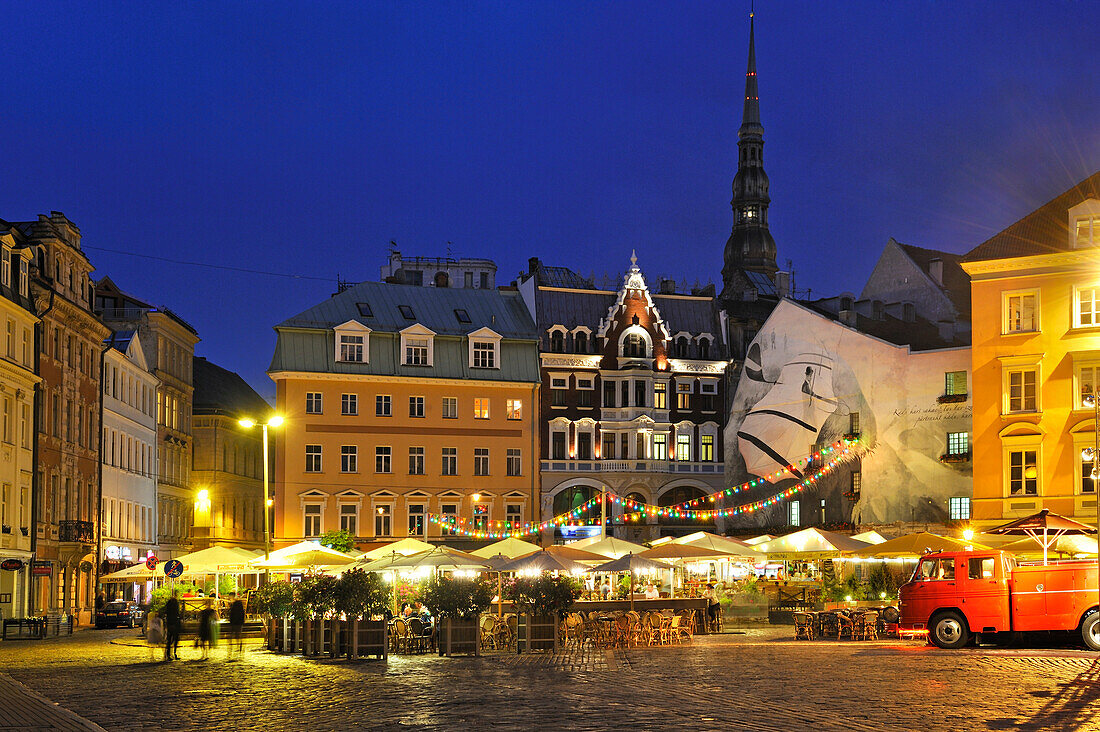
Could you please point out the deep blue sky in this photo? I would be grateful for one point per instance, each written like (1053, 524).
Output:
(302, 138)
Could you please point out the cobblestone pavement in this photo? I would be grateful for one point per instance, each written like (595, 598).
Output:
(759, 680)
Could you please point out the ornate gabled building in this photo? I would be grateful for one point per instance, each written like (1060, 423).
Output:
(633, 397)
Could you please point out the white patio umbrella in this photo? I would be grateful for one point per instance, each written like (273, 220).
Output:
(631, 563)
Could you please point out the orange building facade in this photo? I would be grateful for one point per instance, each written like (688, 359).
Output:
(1036, 360)
(402, 404)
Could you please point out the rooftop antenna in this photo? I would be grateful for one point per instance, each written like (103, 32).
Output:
(341, 284)
(450, 245)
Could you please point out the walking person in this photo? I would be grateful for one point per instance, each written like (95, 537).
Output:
(207, 618)
(173, 620)
(236, 628)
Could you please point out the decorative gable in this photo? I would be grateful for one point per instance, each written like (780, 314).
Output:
(417, 346)
(352, 342)
(634, 286)
(484, 348)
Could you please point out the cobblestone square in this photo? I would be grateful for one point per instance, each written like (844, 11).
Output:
(755, 680)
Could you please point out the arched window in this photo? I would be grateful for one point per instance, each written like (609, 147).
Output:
(573, 498)
(580, 342)
(634, 346)
(704, 348)
(557, 342)
(441, 279)
(680, 495)
(681, 347)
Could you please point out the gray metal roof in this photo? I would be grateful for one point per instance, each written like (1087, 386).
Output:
(568, 308)
(432, 307)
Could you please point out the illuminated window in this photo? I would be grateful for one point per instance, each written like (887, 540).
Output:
(1086, 307)
(683, 447)
(1087, 231)
(514, 408)
(706, 448)
(954, 383)
(1023, 476)
(481, 408)
(958, 508)
(958, 443)
(1022, 394)
(382, 516)
(794, 513)
(660, 447)
(660, 395)
(1021, 312)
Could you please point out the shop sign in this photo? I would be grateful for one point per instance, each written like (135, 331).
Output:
(12, 565)
(42, 567)
(127, 554)
(113, 553)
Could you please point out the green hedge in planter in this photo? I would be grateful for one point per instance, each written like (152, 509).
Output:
(545, 594)
(456, 597)
(360, 594)
(275, 598)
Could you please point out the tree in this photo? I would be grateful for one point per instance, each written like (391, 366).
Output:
(340, 540)
(360, 594)
(275, 598)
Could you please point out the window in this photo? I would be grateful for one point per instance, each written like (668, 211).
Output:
(853, 423)
(515, 461)
(704, 348)
(1087, 231)
(416, 406)
(954, 383)
(5, 273)
(481, 461)
(481, 408)
(580, 342)
(558, 397)
(958, 443)
(794, 513)
(609, 394)
(313, 402)
(706, 448)
(416, 519)
(1023, 474)
(660, 395)
(349, 404)
(468, 280)
(416, 461)
(484, 280)
(958, 508)
(557, 342)
(1088, 482)
(382, 516)
(349, 459)
(313, 458)
(708, 387)
(484, 356)
(584, 398)
(382, 459)
(461, 315)
(585, 383)
(937, 569)
(1086, 385)
(349, 518)
(351, 348)
(406, 311)
(382, 405)
(584, 445)
(683, 447)
(634, 346)
(450, 407)
(312, 515)
(1021, 396)
(364, 309)
(1086, 309)
(683, 398)
(639, 393)
(608, 446)
(23, 277)
(681, 347)
(513, 408)
(557, 446)
(980, 568)
(1020, 312)
(481, 517)
(10, 340)
(660, 447)
(513, 514)
(448, 512)
(416, 351)
(450, 461)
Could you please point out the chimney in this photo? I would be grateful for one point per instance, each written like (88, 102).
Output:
(935, 270)
(668, 287)
(783, 283)
(533, 266)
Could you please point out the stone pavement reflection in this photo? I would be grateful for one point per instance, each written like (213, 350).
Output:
(756, 681)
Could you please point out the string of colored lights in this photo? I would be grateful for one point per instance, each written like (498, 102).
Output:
(456, 525)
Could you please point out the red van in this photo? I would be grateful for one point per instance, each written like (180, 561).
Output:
(956, 595)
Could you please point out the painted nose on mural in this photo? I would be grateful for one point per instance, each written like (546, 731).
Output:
(781, 426)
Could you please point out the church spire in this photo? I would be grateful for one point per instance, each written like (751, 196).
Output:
(750, 247)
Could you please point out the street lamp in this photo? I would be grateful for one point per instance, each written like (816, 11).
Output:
(248, 424)
(1090, 455)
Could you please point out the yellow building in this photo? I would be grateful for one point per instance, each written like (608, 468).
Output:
(402, 402)
(1036, 356)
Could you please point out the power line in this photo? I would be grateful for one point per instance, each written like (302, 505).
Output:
(210, 266)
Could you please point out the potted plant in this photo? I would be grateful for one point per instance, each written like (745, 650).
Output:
(275, 600)
(542, 602)
(360, 596)
(458, 602)
(314, 600)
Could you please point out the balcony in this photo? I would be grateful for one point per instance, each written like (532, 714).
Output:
(76, 531)
(630, 466)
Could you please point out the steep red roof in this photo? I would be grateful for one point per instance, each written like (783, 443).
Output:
(1043, 231)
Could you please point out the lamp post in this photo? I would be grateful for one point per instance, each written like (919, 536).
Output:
(275, 421)
(1091, 454)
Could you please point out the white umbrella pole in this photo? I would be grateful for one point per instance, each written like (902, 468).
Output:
(1045, 545)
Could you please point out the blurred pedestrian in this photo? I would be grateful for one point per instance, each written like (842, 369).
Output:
(173, 620)
(236, 627)
(154, 634)
(207, 618)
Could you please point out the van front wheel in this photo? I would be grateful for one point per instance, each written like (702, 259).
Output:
(1090, 631)
(948, 630)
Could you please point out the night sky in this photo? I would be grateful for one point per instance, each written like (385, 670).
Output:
(299, 139)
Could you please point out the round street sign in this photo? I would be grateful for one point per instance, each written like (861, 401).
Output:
(151, 562)
(173, 568)
(12, 565)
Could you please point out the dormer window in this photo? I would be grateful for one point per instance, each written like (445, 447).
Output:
(704, 348)
(580, 342)
(364, 309)
(681, 347)
(417, 346)
(484, 349)
(352, 342)
(1087, 231)
(5, 273)
(634, 346)
(557, 342)
(406, 312)
(23, 278)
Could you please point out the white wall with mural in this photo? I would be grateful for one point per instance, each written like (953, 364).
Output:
(804, 378)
